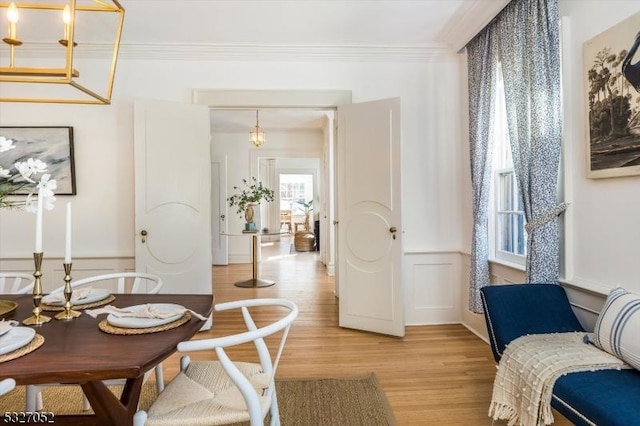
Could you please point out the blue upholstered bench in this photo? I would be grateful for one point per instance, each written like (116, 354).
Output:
(603, 398)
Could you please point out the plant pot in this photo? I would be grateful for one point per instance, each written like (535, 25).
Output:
(251, 216)
(304, 241)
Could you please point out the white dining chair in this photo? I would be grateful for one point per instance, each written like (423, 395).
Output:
(7, 385)
(119, 282)
(223, 391)
(16, 283)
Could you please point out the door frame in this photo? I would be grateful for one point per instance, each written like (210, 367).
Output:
(286, 99)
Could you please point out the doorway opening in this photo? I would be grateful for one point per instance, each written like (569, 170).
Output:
(296, 201)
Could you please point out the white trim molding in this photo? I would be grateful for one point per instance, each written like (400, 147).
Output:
(468, 21)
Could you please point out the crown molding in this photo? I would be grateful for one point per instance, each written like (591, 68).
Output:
(254, 52)
(468, 21)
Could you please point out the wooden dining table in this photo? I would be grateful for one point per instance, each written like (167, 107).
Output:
(77, 352)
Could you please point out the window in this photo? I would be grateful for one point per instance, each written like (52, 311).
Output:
(508, 239)
(293, 188)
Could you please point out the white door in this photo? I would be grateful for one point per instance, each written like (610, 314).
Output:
(219, 211)
(369, 228)
(173, 194)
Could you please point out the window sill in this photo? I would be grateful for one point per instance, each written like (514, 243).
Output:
(508, 264)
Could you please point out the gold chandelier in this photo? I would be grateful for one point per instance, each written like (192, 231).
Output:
(36, 65)
(256, 136)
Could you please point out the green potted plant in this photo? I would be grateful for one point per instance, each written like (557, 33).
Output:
(307, 210)
(249, 197)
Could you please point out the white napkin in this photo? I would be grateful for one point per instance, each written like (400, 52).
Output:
(76, 296)
(5, 326)
(148, 311)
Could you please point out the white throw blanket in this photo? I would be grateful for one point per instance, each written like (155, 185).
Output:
(529, 368)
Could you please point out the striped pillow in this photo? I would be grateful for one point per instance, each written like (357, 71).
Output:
(618, 326)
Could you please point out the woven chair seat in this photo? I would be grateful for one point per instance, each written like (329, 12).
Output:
(205, 395)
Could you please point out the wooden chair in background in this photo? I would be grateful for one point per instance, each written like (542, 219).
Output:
(285, 220)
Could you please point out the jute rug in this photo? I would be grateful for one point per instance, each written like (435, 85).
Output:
(350, 401)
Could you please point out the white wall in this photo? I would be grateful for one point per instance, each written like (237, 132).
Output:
(604, 227)
(103, 208)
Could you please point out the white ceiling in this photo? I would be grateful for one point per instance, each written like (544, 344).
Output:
(261, 25)
(287, 22)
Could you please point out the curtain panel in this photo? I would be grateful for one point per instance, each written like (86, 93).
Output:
(524, 39)
(482, 69)
(530, 59)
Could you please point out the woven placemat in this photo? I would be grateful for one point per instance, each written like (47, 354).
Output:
(35, 343)
(111, 329)
(52, 308)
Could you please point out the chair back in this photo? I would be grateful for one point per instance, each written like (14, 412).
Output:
(515, 310)
(7, 385)
(253, 334)
(16, 283)
(121, 282)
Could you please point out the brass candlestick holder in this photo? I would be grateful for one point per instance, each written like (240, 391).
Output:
(36, 318)
(68, 313)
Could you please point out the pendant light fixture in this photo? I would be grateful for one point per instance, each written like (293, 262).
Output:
(256, 136)
(48, 70)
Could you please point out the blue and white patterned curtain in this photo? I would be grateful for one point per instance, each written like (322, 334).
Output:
(482, 69)
(524, 39)
(530, 59)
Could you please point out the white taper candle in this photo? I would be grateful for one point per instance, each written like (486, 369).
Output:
(67, 246)
(39, 224)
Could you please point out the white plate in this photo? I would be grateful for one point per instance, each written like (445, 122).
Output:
(15, 339)
(95, 295)
(131, 322)
(6, 330)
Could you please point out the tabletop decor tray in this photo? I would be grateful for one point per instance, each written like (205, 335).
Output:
(34, 344)
(102, 302)
(7, 307)
(111, 329)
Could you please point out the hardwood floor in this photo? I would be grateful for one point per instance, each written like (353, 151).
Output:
(435, 375)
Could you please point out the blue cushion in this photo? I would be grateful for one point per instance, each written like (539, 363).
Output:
(515, 310)
(606, 398)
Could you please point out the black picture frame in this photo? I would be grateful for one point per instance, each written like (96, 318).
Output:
(50, 144)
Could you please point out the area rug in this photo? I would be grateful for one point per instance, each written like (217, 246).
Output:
(352, 401)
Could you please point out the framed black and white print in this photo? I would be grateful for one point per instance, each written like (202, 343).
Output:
(612, 97)
(52, 145)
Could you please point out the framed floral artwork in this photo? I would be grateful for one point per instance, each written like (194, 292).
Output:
(612, 85)
(51, 145)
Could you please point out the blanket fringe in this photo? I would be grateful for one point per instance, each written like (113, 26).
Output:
(499, 411)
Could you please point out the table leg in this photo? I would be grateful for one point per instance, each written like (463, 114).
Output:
(108, 408)
(254, 281)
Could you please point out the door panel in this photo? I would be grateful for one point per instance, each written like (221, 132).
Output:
(173, 194)
(369, 237)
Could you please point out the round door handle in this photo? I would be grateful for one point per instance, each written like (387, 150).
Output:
(144, 235)
(222, 217)
(393, 231)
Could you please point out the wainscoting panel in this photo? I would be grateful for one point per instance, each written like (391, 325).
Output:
(53, 272)
(432, 293)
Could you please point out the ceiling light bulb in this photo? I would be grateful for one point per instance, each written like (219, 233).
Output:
(66, 15)
(12, 13)
(66, 18)
(12, 17)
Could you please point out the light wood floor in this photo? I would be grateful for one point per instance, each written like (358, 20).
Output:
(435, 375)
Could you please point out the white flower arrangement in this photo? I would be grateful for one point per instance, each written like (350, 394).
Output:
(28, 171)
